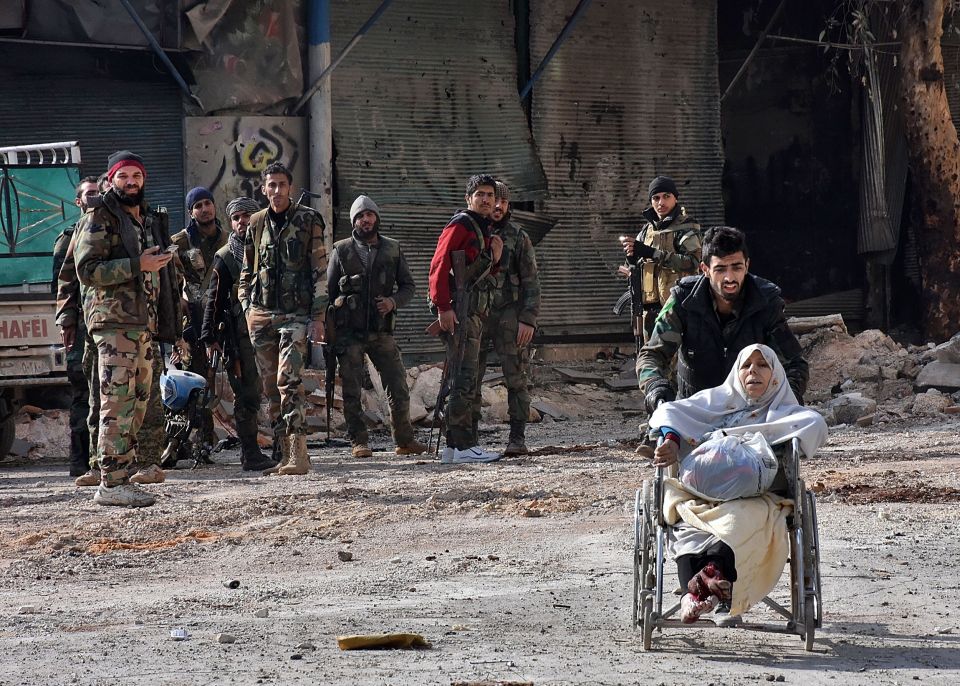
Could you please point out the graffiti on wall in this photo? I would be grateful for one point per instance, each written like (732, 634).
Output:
(227, 154)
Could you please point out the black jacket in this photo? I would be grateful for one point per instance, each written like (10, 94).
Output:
(707, 349)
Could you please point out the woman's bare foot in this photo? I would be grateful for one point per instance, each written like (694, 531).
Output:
(691, 608)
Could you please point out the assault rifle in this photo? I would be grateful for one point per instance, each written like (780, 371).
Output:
(330, 361)
(455, 343)
(633, 296)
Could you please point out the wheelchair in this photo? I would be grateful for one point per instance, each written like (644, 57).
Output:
(804, 615)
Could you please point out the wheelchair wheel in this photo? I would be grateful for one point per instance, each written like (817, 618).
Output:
(647, 620)
(638, 518)
(811, 535)
(809, 624)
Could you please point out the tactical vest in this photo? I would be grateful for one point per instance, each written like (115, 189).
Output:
(197, 260)
(505, 284)
(356, 306)
(478, 272)
(282, 270)
(708, 350)
(656, 280)
(233, 269)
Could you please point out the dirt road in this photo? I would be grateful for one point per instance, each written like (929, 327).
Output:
(517, 571)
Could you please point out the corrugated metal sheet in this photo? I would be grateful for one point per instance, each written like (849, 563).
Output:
(427, 98)
(632, 93)
(104, 116)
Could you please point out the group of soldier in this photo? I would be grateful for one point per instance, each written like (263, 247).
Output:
(257, 294)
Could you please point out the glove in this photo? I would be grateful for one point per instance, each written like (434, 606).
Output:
(644, 251)
(659, 392)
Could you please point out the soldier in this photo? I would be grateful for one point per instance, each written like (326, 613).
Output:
(283, 295)
(709, 318)
(512, 320)
(197, 244)
(128, 292)
(224, 330)
(666, 249)
(74, 335)
(468, 231)
(367, 281)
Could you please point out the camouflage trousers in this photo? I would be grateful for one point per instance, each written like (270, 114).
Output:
(90, 372)
(125, 364)
(246, 390)
(500, 330)
(385, 355)
(79, 401)
(464, 387)
(280, 344)
(152, 438)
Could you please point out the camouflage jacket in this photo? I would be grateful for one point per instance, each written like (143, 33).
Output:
(517, 282)
(706, 348)
(196, 253)
(285, 264)
(66, 285)
(676, 240)
(354, 283)
(115, 293)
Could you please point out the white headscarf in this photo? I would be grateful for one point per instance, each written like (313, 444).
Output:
(776, 414)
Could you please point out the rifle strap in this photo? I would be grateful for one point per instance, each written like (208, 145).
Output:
(258, 221)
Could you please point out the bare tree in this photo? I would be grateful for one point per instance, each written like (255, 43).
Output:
(934, 153)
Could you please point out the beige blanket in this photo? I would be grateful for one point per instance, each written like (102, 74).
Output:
(755, 528)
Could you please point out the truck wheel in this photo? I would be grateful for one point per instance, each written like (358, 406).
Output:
(8, 431)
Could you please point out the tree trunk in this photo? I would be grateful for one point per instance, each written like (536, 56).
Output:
(934, 152)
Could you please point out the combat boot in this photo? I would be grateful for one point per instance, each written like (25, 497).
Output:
(299, 463)
(412, 447)
(89, 478)
(281, 449)
(252, 458)
(516, 445)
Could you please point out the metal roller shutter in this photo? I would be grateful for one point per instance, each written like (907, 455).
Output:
(104, 116)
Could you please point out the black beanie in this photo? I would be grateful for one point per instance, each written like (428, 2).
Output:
(662, 184)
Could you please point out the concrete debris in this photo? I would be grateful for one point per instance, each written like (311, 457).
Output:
(931, 403)
(620, 383)
(27, 610)
(944, 376)
(848, 408)
(232, 583)
(226, 638)
(20, 447)
(577, 376)
(950, 351)
(345, 555)
(262, 613)
(550, 410)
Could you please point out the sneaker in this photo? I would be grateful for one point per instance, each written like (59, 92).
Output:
(446, 455)
(361, 450)
(124, 495)
(151, 474)
(91, 478)
(468, 455)
(414, 447)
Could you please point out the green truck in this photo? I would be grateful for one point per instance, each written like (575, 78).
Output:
(37, 192)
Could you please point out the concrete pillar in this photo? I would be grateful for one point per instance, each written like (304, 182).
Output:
(320, 128)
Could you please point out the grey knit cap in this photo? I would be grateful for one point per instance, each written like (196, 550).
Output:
(242, 205)
(502, 192)
(360, 204)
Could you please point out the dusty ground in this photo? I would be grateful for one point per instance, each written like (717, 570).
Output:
(515, 571)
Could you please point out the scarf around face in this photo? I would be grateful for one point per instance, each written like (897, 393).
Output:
(776, 414)
(236, 247)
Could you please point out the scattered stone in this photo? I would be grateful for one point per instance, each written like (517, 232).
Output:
(345, 555)
(262, 613)
(31, 410)
(848, 408)
(396, 560)
(226, 638)
(296, 656)
(27, 610)
(232, 583)
(618, 383)
(931, 403)
(306, 645)
(20, 447)
(179, 634)
(953, 409)
(532, 512)
(548, 409)
(949, 351)
(866, 420)
(944, 376)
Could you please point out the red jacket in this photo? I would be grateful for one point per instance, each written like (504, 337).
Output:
(457, 235)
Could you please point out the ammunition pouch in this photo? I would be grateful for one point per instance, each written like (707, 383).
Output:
(351, 284)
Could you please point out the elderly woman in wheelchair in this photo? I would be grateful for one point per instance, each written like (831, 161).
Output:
(727, 533)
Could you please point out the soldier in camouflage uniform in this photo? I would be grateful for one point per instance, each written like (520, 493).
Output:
(468, 231)
(197, 245)
(74, 335)
(710, 318)
(224, 330)
(514, 307)
(127, 278)
(367, 280)
(283, 294)
(666, 249)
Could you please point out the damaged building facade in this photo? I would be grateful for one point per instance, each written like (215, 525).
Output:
(428, 94)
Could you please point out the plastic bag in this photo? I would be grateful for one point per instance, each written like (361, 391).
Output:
(730, 467)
